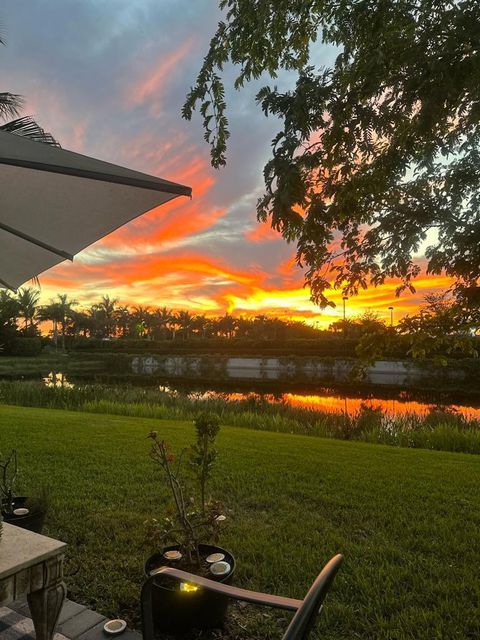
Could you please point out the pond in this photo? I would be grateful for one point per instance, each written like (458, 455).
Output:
(322, 399)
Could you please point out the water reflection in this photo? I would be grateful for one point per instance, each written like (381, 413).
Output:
(327, 401)
(391, 407)
(342, 404)
(58, 380)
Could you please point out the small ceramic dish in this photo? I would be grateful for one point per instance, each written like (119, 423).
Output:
(220, 568)
(215, 557)
(114, 627)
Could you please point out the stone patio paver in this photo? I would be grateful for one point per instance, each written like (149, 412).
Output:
(15, 626)
(69, 610)
(76, 622)
(97, 633)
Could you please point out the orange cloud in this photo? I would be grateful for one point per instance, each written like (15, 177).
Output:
(153, 267)
(289, 267)
(190, 264)
(178, 218)
(151, 84)
(186, 223)
(200, 283)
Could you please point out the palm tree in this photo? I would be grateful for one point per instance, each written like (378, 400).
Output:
(161, 319)
(60, 314)
(244, 327)
(173, 324)
(260, 326)
(9, 308)
(185, 322)
(8, 317)
(122, 320)
(104, 311)
(10, 107)
(65, 313)
(201, 324)
(27, 299)
(142, 318)
(275, 328)
(51, 313)
(97, 322)
(227, 325)
(82, 322)
(214, 327)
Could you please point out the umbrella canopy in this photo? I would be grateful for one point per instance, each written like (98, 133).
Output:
(54, 203)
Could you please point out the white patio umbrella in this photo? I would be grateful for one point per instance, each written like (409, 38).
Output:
(54, 203)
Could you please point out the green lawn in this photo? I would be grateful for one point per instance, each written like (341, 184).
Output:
(406, 520)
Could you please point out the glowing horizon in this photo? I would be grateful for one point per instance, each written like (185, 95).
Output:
(201, 285)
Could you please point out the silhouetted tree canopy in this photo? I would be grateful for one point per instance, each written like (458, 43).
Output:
(373, 153)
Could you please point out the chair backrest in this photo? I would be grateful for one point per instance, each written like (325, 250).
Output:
(304, 619)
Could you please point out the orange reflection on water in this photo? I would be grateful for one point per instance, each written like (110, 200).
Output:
(351, 406)
(336, 404)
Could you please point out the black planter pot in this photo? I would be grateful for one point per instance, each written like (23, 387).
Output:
(33, 521)
(178, 611)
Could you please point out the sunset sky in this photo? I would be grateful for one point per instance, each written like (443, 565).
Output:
(108, 79)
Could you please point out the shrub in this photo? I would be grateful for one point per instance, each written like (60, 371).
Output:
(25, 346)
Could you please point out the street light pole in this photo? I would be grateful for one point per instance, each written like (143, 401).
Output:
(345, 298)
(391, 316)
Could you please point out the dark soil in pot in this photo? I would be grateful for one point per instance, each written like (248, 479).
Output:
(178, 611)
(33, 520)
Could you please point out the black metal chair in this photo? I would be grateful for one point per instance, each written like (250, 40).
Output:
(301, 623)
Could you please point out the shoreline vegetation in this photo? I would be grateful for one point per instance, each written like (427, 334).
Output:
(326, 344)
(441, 330)
(441, 429)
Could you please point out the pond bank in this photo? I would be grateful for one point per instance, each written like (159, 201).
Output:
(314, 370)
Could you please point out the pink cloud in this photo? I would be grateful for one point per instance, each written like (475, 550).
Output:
(262, 232)
(150, 85)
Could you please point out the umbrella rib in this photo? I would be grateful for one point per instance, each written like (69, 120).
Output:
(132, 181)
(39, 243)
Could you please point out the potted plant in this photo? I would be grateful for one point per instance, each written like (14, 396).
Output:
(22, 511)
(188, 534)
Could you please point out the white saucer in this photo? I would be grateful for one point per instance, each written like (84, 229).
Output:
(220, 568)
(215, 557)
(114, 627)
